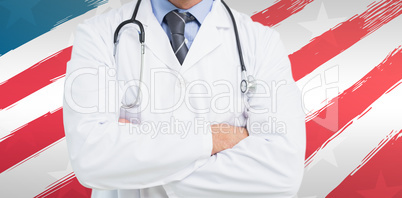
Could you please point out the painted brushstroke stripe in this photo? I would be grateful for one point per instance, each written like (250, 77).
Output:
(323, 124)
(67, 186)
(379, 173)
(47, 99)
(30, 139)
(316, 18)
(279, 11)
(340, 157)
(34, 78)
(344, 70)
(36, 174)
(338, 39)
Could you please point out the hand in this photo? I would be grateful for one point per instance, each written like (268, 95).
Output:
(121, 120)
(225, 136)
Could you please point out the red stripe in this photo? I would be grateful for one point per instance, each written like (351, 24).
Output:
(66, 187)
(279, 11)
(353, 101)
(379, 177)
(34, 78)
(27, 141)
(333, 42)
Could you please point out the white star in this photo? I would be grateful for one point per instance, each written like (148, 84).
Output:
(327, 153)
(60, 174)
(330, 158)
(23, 12)
(322, 23)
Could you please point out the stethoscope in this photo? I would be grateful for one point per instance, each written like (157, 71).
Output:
(247, 84)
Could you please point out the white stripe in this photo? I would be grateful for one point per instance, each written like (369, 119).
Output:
(344, 70)
(374, 151)
(346, 152)
(31, 107)
(36, 174)
(348, 67)
(181, 45)
(179, 17)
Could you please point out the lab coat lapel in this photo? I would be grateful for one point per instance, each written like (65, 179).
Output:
(156, 39)
(208, 37)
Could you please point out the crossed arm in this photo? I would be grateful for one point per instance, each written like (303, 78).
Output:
(223, 136)
(269, 162)
(260, 163)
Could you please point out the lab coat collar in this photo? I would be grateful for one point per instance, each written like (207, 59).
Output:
(156, 39)
(208, 37)
(221, 17)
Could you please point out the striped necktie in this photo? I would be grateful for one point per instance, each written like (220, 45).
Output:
(176, 22)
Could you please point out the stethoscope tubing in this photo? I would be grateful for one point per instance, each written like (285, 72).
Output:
(244, 84)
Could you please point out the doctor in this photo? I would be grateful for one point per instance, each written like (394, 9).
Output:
(179, 125)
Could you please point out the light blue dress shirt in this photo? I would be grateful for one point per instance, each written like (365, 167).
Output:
(199, 11)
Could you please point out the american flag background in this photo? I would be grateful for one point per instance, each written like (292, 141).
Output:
(346, 58)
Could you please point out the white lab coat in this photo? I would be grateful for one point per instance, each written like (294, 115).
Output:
(142, 160)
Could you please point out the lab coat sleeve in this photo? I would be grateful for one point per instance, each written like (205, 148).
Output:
(104, 153)
(270, 162)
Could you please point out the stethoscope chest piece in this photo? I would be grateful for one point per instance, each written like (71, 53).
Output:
(244, 86)
(248, 86)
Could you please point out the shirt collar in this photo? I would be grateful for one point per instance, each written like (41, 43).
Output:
(199, 11)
